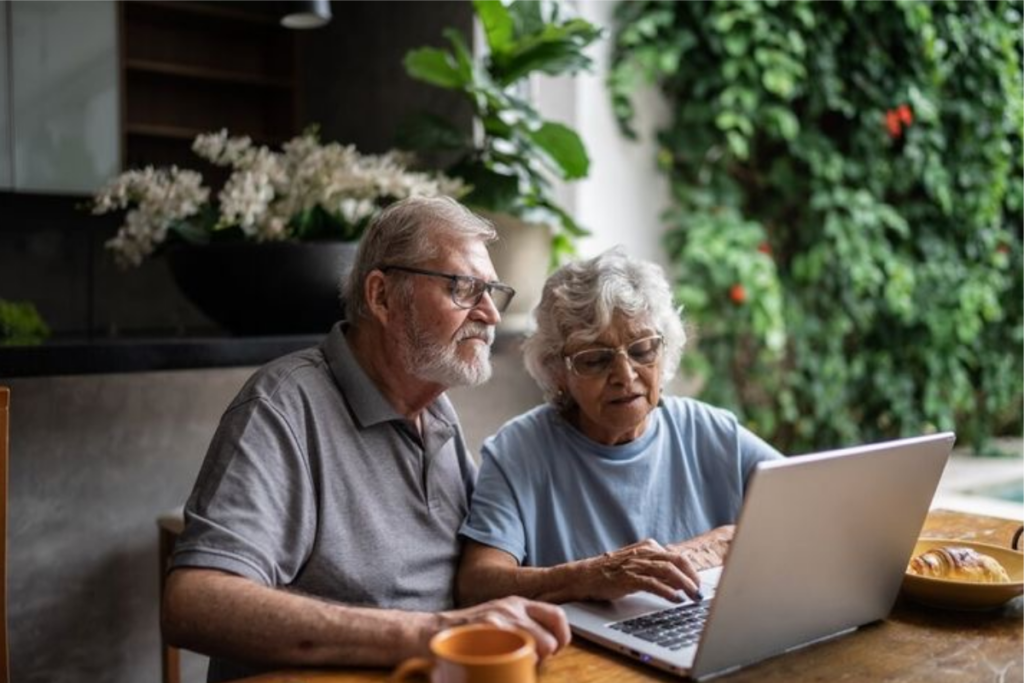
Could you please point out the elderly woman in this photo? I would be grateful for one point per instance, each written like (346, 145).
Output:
(610, 487)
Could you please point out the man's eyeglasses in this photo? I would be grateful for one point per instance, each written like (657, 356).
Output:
(467, 291)
(594, 362)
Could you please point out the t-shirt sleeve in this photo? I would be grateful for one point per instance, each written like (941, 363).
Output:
(753, 449)
(495, 517)
(253, 509)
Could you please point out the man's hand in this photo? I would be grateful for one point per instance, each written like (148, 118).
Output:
(643, 566)
(546, 623)
(707, 550)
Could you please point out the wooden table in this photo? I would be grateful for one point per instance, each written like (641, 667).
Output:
(914, 643)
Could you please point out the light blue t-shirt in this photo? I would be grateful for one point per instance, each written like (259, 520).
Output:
(547, 494)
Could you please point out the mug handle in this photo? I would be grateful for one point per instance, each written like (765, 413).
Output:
(1015, 543)
(417, 666)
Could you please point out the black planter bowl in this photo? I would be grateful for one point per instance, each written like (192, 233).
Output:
(265, 288)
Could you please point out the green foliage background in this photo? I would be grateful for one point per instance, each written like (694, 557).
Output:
(509, 170)
(21, 324)
(847, 208)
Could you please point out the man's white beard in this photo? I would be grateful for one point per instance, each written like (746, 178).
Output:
(438, 362)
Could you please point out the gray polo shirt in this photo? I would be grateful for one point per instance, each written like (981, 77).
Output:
(314, 482)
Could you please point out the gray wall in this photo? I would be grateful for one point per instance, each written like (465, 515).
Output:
(94, 461)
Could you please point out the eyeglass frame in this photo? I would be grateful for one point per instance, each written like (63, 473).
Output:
(453, 280)
(570, 358)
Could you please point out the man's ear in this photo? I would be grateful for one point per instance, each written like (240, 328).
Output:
(376, 291)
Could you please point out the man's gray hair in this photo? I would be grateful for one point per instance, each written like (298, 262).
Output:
(580, 301)
(410, 232)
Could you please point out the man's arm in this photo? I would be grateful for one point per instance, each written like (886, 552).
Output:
(487, 573)
(229, 616)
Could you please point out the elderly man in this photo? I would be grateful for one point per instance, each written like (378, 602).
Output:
(323, 527)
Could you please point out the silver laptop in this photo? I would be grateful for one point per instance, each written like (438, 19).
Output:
(821, 546)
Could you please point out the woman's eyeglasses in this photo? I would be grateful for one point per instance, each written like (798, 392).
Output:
(467, 291)
(593, 362)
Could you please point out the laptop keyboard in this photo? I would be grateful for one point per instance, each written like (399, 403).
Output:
(673, 628)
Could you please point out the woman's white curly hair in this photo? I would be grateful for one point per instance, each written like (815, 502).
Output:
(579, 302)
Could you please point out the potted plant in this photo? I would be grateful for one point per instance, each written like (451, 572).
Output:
(508, 166)
(21, 324)
(304, 207)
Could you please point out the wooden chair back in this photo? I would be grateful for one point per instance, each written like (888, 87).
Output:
(170, 526)
(5, 402)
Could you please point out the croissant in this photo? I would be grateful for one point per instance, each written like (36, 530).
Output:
(958, 563)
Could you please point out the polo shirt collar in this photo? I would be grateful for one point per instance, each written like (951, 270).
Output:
(364, 399)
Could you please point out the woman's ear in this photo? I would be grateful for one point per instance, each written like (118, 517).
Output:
(560, 374)
(561, 381)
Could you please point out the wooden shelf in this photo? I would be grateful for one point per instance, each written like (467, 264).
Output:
(181, 133)
(158, 131)
(202, 73)
(191, 67)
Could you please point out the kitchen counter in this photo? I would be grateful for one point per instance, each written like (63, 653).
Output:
(84, 357)
(148, 354)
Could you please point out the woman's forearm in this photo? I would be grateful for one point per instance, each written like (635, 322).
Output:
(560, 583)
(646, 565)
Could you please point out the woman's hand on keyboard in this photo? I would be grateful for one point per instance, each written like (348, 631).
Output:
(643, 566)
(707, 550)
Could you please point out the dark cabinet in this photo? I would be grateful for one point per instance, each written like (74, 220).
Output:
(197, 67)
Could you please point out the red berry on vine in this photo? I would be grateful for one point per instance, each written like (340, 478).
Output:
(892, 123)
(738, 294)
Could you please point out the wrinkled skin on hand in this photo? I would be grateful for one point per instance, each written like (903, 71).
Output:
(707, 550)
(642, 566)
(545, 622)
(649, 566)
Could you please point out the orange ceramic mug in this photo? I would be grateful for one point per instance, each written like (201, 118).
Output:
(476, 653)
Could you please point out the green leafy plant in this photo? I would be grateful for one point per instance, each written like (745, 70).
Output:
(509, 167)
(21, 324)
(847, 208)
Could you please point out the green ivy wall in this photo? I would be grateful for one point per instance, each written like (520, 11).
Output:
(846, 219)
